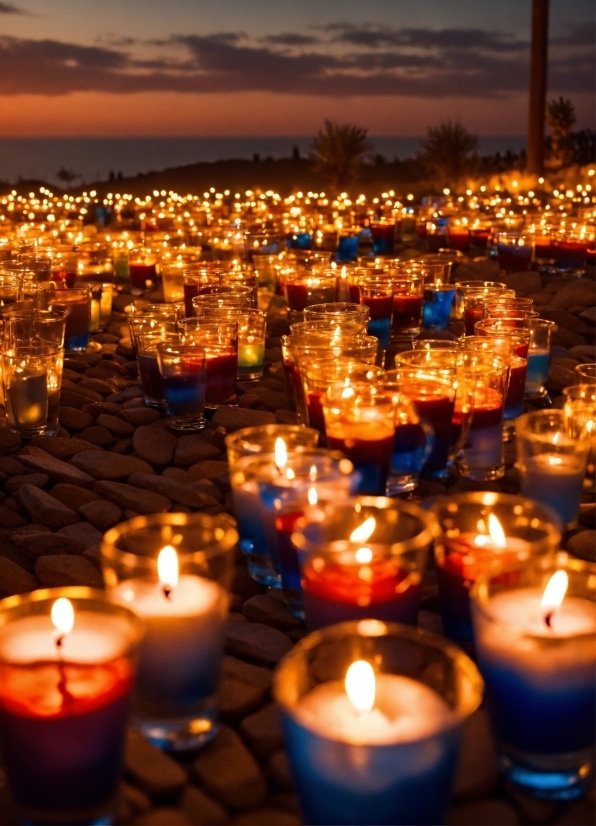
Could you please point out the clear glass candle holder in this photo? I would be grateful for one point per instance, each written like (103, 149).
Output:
(23, 326)
(479, 533)
(337, 312)
(537, 654)
(363, 558)
(149, 374)
(585, 373)
(76, 303)
(220, 343)
(408, 292)
(218, 299)
(462, 287)
(506, 346)
(183, 374)
(173, 570)
(357, 764)
(243, 278)
(335, 326)
(475, 302)
(246, 443)
(158, 325)
(235, 293)
(101, 305)
(571, 250)
(251, 337)
(376, 293)
(142, 270)
(552, 453)
(11, 288)
(514, 252)
(579, 410)
(304, 287)
(64, 703)
(32, 379)
(172, 277)
(194, 280)
(538, 357)
(347, 245)
(383, 237)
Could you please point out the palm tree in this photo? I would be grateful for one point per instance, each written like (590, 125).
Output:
(67, 175)
(560, 116)
(339, 150)
(446, 151)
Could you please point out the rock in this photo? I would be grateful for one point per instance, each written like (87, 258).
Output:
(140, 416)
(154, 446)
(73, 496)
(11, 519)
(40, 480)
(174, 491)
(97, 435)
(14, 579)
(101, 514)
(202, 809)
(583, 545)
(262, 731)
(73, 398)
(243, 688)
(268, 816)
(269, 610)
(60, 447)
(58, 470)
(131, 498)
(584, 353)
(235, 418)
(109, 466)
(243, 583)
(589, 315)
(490, 812)
(587, 515)
(566, 338)
(9, 441)
(45, 509)
(97, 385)
(278, 771)
(44, 544)
(176, 474)
(84, 534)
(477, 772)
(115, 425)
(522, 282)
(59, 570)
(193, 449)
(122, 446)
(73, 419)
(155, 772)
(578, 293)
(559, 377)
(227, 770)
(132, 802)
(256, 642)
(163, 816)
(96, 409)
(209, 469)
(566, 321)
(11, 466)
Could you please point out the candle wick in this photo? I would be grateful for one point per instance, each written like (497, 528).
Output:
(167, 591)
(548, 618)
(60, 640)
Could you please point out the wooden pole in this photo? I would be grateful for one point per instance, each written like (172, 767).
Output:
(538, 68)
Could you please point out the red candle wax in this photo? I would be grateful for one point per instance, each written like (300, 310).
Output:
(364, 443)
(140, 273)
(288, 556)
(220, 372)
(354, 291)
(544, 247)
(459, 238)
(471, 316)
(479, 237)
(380, 306)
(421, 230)
(314, 408)
(407, 311)
(297, 295)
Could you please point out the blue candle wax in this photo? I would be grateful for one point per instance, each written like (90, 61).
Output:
(185, 393)
(556, 481)
(540, 684)
(392, 765)
(537, 371)
(436, 309)
(299, 241)
(347, 249)
(253, 542)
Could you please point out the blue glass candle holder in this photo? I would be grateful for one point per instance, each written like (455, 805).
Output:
(437, 305)
(299, 241)
(347, 247)
(537, 654)
(383, 237)
(355, 764)
(183, 372)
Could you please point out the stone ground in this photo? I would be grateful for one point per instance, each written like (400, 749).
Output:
(115, 458)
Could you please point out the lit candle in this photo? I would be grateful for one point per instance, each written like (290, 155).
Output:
(180, 656)
(535, 638)
(556, 480)
(66, 674)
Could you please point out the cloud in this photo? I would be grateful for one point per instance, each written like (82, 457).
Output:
(10, 8)
(349, 61)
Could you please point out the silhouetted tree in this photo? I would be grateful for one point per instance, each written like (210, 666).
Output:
(296, 154)
(67, 175)
(447, 151)
(560, 116)
(339, 150)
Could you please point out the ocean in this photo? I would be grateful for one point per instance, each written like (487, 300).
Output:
(92, 159)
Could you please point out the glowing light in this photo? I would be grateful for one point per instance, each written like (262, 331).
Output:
(554, 594)
(63, 616)
(361, 685)
(167, 568)
(280, 453)
(363, 532)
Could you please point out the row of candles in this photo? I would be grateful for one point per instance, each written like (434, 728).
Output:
(372, 708)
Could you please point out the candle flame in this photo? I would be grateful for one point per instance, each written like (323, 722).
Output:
(348, 393)
(312, 496)
(364, 556)
(496, 532)
(167, 568)
(554, 593)
(363, 532)
(280, 453)
(63, 616)
(360, 685)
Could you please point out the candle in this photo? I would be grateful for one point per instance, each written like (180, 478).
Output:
(347, 248)
(537, 372)
(407, 311)
(77, 305)
(182, 368)
(379, 301)
(514, 252)
(142, 273)
(438, 301)
(26, 397)
(514, 400)
(482, 454)
(66, 673)
(251, 355)
(221, 366)
(184, 616)
(535, 637)
(364, 745)
(383, 237)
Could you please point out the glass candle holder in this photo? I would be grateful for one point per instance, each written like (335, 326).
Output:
(299, 240)
(317, 376)
(347, 245)
(538, 357)
(377, 295)
(173, 570)
(67, 663)
(462, 287)
(24, 326)
(151, 380)
(408, 294)
(537, 653)
(585, 373)
(143, 272)
(373, 761)
(383, 237)
(182, 369)
(262, 243)
(438, 301)
(330, 326)
(303, 288)
(32, 378)
(552, 452)
(288, 487)
(482, 532)
(360, 422)
(217, 299)
(76, 303)
(266, 269)
(579, 409)
(235, 293)
(571, 251)
(101, 305)
(363, 558)
(242, 278)
(458, 236)
(436, 344)
(194, 280)
(514, 252)
(505, 346)
(221, 355)
(251, 337)
(474, 302)
(172, 277)
(337, 312)
(10, 289)
(249, 442)
(500, 307)
(160, 325)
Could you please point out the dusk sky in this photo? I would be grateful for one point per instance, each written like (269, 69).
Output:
(279, 67)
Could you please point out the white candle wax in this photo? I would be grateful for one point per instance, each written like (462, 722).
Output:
(404, 711)
(555, 480)
(183, 640)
